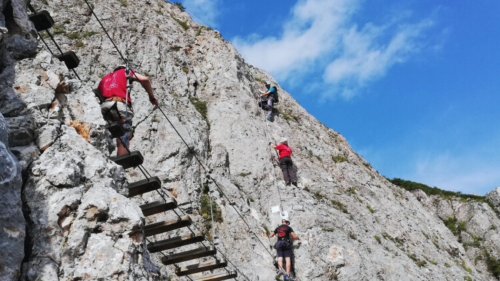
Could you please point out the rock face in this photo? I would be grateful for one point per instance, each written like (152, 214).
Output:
(80, 225)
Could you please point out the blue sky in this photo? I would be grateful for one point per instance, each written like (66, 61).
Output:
(414, 85)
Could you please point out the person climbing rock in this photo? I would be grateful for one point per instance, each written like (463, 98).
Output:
(285, 160)
(113, 88)
(284, 246)
(270, 94)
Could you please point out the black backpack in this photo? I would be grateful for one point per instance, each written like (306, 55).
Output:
(276, 96)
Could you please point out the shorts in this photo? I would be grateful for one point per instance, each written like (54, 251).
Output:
(283, 249)
(110, 114)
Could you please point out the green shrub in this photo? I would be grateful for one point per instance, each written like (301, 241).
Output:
(467, 278)
(179, 5)
(378, 239)
(338, 159)
(493, 265)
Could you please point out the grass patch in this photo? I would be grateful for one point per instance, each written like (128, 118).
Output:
(370, 209)
(185, 69)
(467, 278)
(419, 262)
(318, 195)
(387, 236)
(183, 24)
(207, 214)
(352, 235)
(123, 3)
(288, 117)
(86, 34)
(59, 29)
(200, 106)
(338, 159)
(339, 206)
(378, 239)
(266, 229)
(79, 43)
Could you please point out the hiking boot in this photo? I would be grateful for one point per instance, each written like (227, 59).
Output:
(280, 272)
(287, 278)
(294, 183)
(287, 183)
(268, 118)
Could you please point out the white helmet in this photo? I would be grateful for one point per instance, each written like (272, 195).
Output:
(284, 140)
(118, 67)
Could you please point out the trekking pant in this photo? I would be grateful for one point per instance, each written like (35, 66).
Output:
(289, 173)
(121, 114)
(270, 102)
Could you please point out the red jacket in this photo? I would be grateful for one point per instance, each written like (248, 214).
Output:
(115, 84)
(284, 150)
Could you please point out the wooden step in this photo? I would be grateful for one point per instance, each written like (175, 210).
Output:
(165, 226)
(70, 59)
(158, 207)
(116, 129)
(143, 186)
(133, 159)
(188, 255)
(42, 20)
(175, 242)
(218, 276)
(200, 267)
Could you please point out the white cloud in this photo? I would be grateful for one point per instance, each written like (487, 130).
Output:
(322, 37)
(203, 11)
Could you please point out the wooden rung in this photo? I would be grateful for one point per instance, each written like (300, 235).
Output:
(133, 159)
(189, 255)
(175, 242)
(116, 129)
(70, 59)
(218, 276)
(165, 226)
(158, 207)
(143, 186)
(200, 267)
(42, 20)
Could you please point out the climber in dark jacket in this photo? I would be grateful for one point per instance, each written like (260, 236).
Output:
(285, 160)
(284, 246)
(113, 87)
(270, 94)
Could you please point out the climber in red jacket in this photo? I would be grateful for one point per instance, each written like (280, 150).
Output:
(113, 88)
(285, 160)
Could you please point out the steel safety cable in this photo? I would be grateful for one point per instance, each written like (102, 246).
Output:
(215, 182)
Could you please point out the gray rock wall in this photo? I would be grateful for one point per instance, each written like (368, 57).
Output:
(16, 42)
(354, 224)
